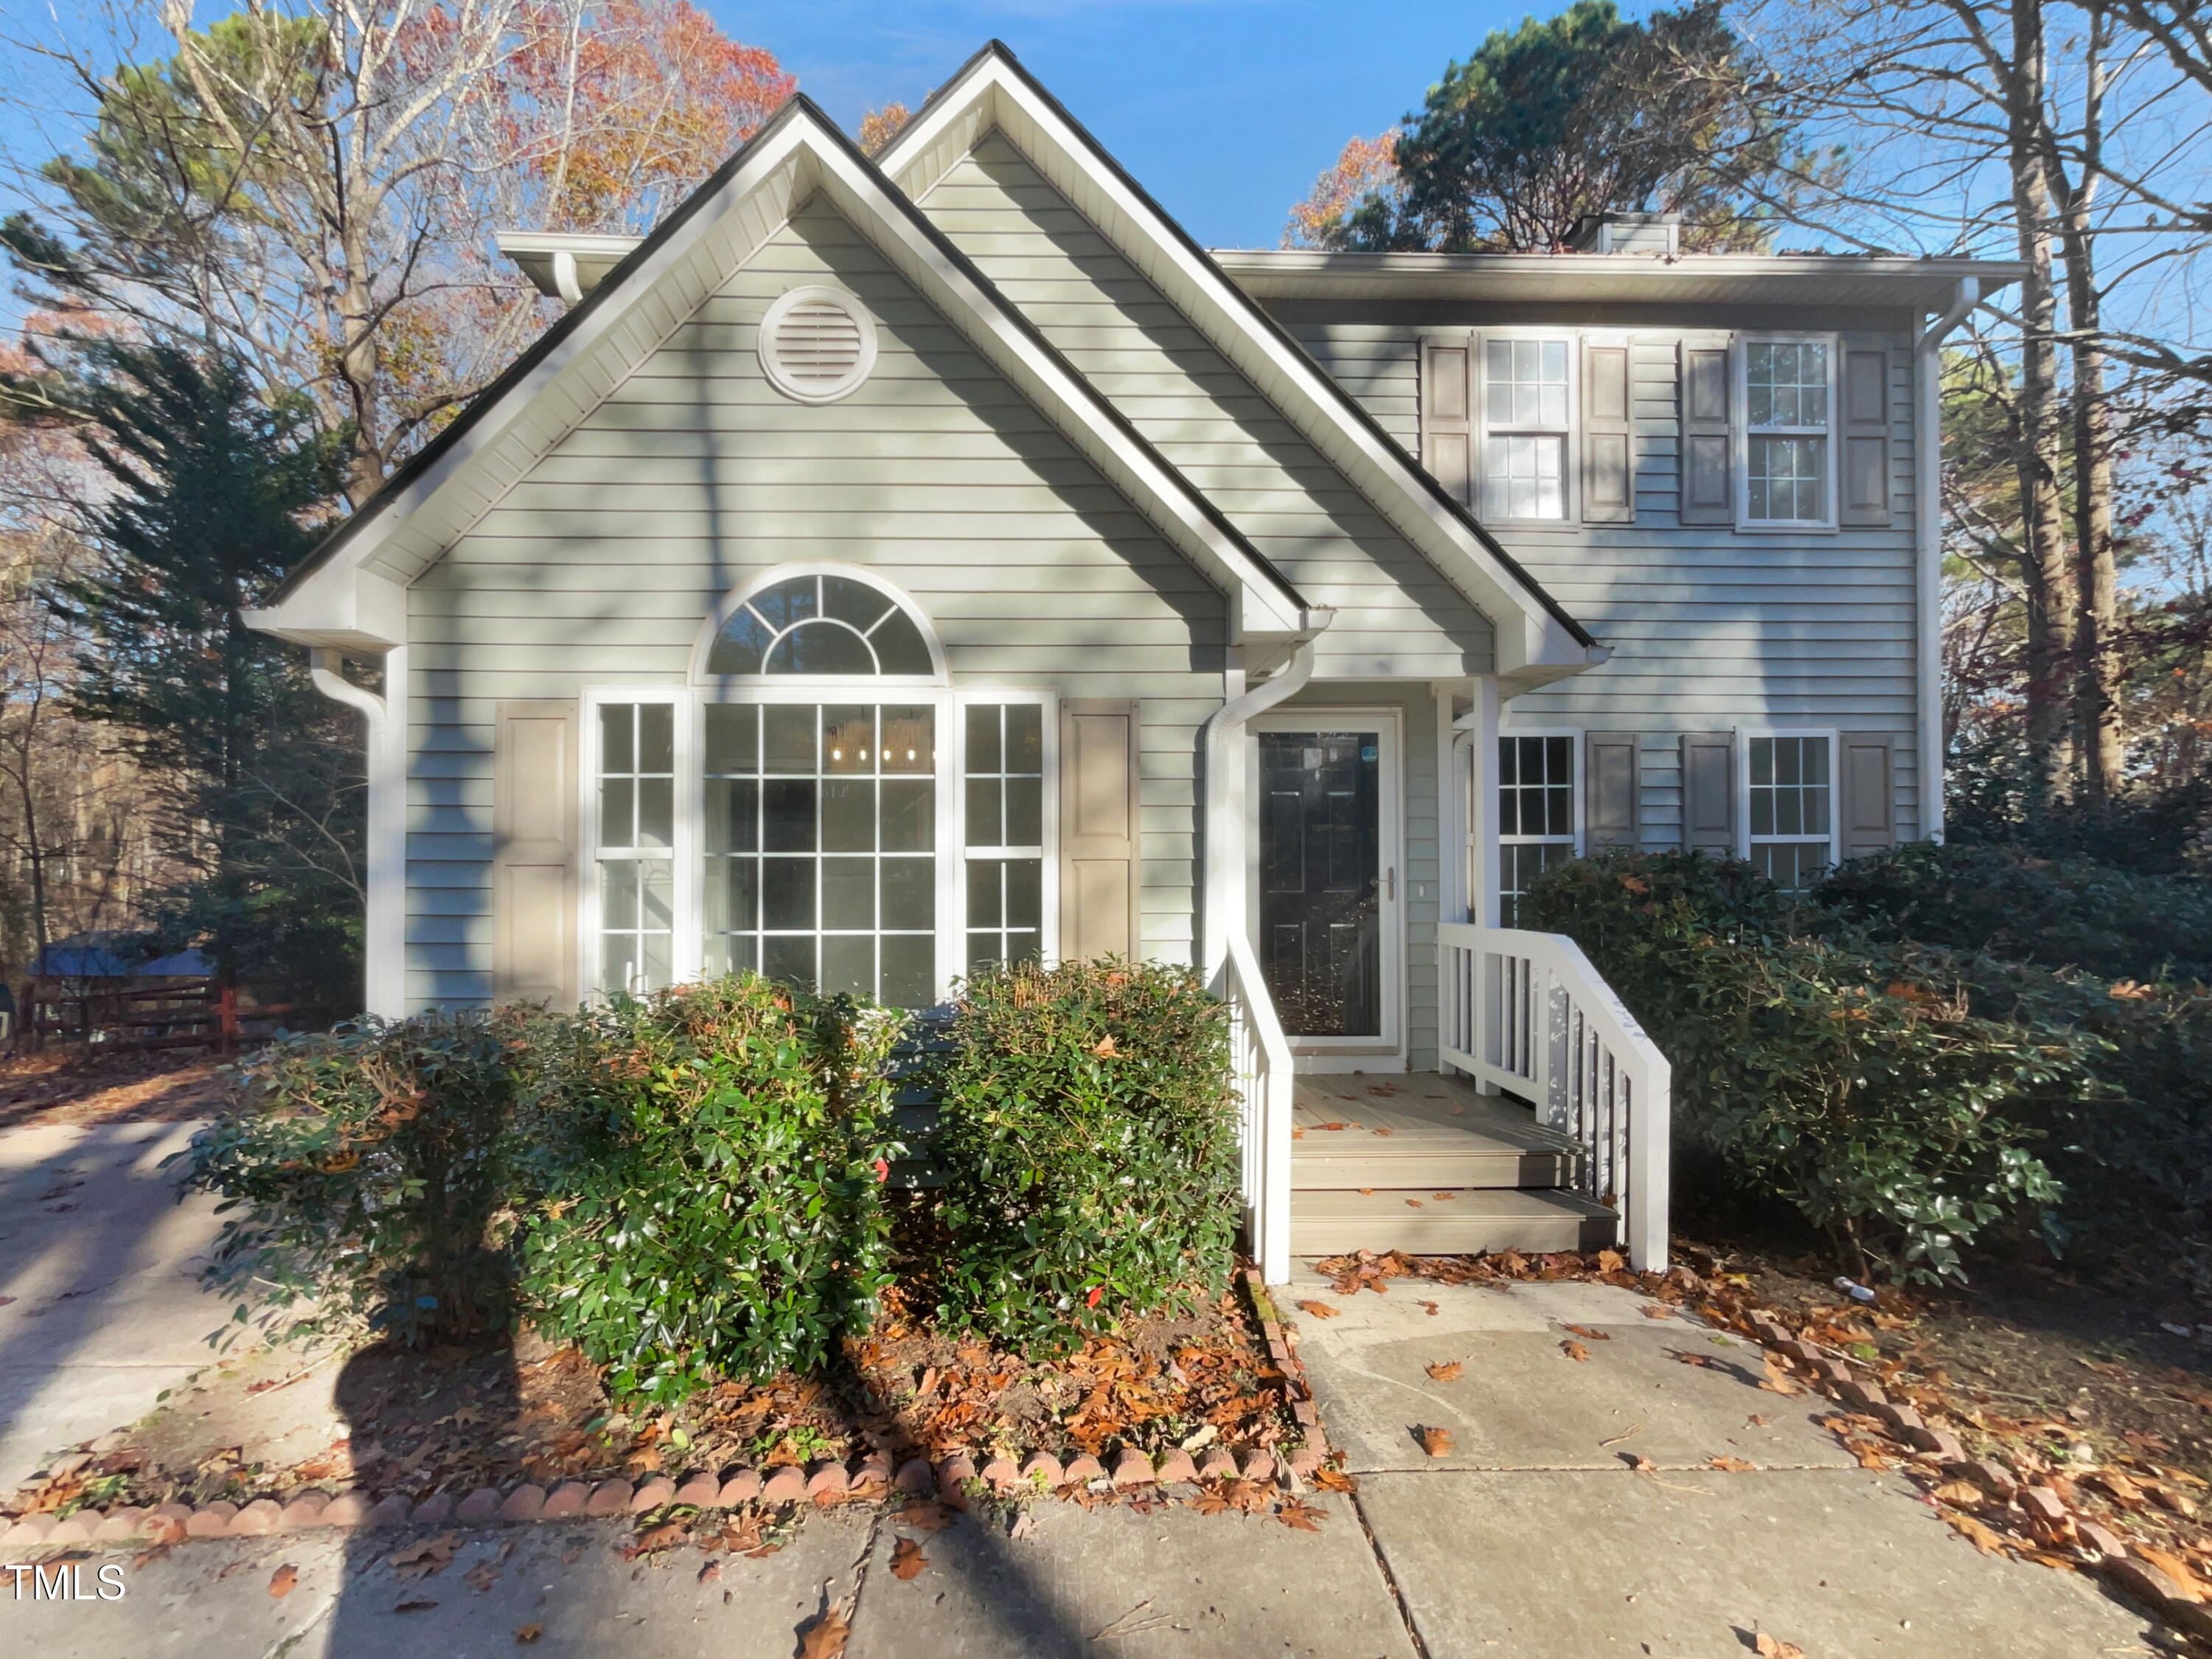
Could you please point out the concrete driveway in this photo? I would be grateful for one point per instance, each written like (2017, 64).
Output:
(98, 1262)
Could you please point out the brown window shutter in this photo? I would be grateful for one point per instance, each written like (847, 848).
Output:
(1709, 792)
(1609, 791)
(1608, 433)
(534, 876)
(1447, 436)
(1866, 766)
(1863, 407)
(1708, 441)
(1101, 873)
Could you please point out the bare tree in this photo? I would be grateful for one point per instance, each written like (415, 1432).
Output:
(314, 185)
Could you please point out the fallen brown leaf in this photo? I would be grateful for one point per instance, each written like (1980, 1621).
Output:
(1656, 1310)
(429, 1556)
(1575, 1351)
(1732, 1465)
(1776, 1380)
(482, 1576)
(1694, 1359)
(908, 1560)
(1434, 1309)
(929, 1517)
(1610, 1261)
(1319, 1309)
(711, 1573)
(827, 1636)
(1957, 1492)
(1980, 1536)
(1444, 1370)
(1329, 1477)
(415, 1607)
(282, 1580)
(1297, 1513)
(2171, 1565)
(528, 1633)
(1435, 1442)
(1410, 1203)
(1641, 1464)
(1768, 1646)
(1759, 1420)
(1594, 1336)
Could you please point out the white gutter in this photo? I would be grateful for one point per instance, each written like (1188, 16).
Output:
(384, 944)
(1927, 537)
(1225, 818)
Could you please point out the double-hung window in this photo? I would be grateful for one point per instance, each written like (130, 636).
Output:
(1527, 386)
(1002, 769)
(1788, 451)
(1537, 822)
(1790, 805)
(635, 824)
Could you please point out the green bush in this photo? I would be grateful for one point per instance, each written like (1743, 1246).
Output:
(2010, 904)
(718, 1208)
(1088, 1141)
(372, 1164)
(1853, 1079)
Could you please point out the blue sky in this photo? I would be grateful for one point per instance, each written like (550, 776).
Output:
(1225, 110)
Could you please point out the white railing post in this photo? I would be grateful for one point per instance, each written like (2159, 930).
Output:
(1533, 1019)
(1260, 1056)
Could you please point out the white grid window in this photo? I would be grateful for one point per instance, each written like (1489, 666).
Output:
(1791, 808)
(1535, 813)
(1786, 449)
(1526, 409)
(820, 845)
(1003, 786)
(637, 859)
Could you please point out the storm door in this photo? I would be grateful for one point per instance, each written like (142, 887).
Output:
(1326, 899)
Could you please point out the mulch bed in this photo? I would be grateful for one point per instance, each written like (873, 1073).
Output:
(452, 1420)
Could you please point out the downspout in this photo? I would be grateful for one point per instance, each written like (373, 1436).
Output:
(1224, 825)
(1928, 536)
(384, 944)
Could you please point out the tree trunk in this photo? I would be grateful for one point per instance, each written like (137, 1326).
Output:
(2099, 757)
(2045, 579)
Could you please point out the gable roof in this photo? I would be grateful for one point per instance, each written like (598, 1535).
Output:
(992, 91)
(349, 593)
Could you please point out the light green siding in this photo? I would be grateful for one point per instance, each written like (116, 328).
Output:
(602, 564)
(1710, 627)
(1398, 616)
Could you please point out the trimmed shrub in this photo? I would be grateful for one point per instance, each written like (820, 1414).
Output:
(715, 1204)
(1853, 1079)
(1088, 1143)
(374, 1166)
(2010, 904)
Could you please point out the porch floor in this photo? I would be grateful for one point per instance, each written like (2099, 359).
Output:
(1422, 1163)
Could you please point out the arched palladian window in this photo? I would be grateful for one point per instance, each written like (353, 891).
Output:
(821, 623)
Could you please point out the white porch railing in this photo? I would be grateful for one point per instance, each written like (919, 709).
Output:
(1261, 1057)
(1526, 1013)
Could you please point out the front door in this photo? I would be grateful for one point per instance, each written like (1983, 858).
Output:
(1325, 907)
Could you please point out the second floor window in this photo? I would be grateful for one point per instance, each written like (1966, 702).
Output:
(1525, 412)
(1786, 417)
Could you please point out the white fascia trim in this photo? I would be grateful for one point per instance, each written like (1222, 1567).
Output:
(1539, 642)
(1260, 608)
(1263, 609)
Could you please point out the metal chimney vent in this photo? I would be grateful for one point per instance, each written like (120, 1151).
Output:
(817, 344)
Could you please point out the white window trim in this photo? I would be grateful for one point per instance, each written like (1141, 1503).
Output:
(1326, 1054)
(1497, 787)
(688, 945)
(684, 946)
(703, 645)
(1570, 461)
(1745, 840)
(954, 881)
(1741, 431)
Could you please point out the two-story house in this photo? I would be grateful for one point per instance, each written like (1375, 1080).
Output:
(886, 567)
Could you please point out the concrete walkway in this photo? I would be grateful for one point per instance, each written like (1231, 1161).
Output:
(1535, 1536)
(99, 1261)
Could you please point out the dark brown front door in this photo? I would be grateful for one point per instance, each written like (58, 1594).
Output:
(1320, 857)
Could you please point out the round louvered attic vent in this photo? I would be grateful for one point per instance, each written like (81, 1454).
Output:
(817, 344)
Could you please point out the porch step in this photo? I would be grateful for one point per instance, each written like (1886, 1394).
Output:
(1411, 1130)
(1467, 1221)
